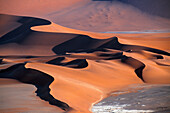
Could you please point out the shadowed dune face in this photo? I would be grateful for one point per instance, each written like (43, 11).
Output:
(35, 77)
(78, 63)
(76, 70)
(23, 37)
(97, 15)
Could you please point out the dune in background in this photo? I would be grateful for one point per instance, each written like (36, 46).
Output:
(97, 15)
(52, 46)
(74, 71)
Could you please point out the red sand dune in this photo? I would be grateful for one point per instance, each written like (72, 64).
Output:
(89, 15)
(73, 69)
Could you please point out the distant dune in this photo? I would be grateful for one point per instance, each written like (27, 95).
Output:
(153, 7)
(52, 46)
(57, 63)
(95, 15)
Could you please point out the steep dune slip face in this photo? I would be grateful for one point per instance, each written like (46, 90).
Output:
(95, 15)
(71, 70)
(75, 71)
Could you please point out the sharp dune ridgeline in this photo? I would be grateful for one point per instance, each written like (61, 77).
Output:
(96, 16)
(68, 58)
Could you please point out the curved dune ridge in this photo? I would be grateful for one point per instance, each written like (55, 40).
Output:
(75, 70)
(95, 15)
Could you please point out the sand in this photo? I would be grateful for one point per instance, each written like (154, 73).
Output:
(98, 16)
(71, 56)
(17, 97)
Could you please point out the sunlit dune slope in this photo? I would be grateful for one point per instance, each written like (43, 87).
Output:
(90, 15)
(62, 49)
(156, 40)
(44, 6)
(74, 69)
(83, 87)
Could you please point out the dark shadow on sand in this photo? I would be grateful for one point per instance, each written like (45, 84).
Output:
(37, 78)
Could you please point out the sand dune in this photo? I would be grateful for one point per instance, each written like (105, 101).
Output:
(21, 98)
(95, 16)
(73, 70)
(154, 7)
(52, 46)
(106, 16)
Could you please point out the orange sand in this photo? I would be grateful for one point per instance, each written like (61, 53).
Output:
(81, 88)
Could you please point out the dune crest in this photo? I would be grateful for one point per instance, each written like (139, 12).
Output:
(75, 69)
(94, 15)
